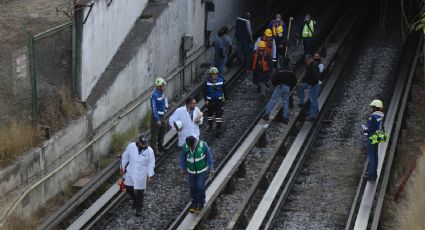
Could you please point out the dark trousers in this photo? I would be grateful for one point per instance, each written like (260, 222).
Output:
(244, 50)
(372, 156)
(215, 107)
(197, 188)
(309, 45)
(157, 135)
(137, 195)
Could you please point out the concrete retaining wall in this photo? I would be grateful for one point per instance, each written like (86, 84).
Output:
(103, 33)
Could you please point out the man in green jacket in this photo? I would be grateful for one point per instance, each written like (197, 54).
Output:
(196, 161)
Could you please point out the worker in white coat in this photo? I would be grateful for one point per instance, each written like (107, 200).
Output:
(186, 120)
(138, 163)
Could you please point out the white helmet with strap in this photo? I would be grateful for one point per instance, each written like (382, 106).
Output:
(377, 103)
(159, 81)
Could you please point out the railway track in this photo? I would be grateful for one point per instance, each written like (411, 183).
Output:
(250, 168)
(318, 190)
(85, 200)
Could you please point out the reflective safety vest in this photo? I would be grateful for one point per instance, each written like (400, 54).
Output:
(269, 44)
(274, 26)
(260, 57)
(308, 30)
(215, 89)
(196, 161)
(377, 134)
(378, 137)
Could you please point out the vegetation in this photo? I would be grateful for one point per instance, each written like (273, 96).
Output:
(120, 140)
(15, 138)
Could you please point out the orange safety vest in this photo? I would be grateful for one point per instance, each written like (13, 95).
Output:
(264, 62)
(269, 44)
(274, 26)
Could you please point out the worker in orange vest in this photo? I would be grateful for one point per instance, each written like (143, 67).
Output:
(270, 43)
(261, 67)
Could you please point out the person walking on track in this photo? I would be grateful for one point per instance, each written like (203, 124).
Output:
(375, 133)
(284, 82)
(159, 106)
(214, 96)
(196, 161)
(186, 120)
(138, 163)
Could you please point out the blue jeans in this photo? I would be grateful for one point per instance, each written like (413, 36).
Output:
(197, 188)
(300, 89)
(313, 92)
(281, 91)
(372, 156)
(219, 63)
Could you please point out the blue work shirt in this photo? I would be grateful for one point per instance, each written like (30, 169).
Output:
(374, 122)
(159, 104)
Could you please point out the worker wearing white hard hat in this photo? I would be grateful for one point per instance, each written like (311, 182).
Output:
(186, 121)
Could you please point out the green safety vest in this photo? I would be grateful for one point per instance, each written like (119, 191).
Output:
(308, 32)
(195, 161)
(378, 137)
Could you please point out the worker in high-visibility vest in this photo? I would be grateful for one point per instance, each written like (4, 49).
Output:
(308, 34)
(196, 162)
(261, 68)
(375, 133)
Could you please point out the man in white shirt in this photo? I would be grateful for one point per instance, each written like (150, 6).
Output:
(138, 163)
(186, 120)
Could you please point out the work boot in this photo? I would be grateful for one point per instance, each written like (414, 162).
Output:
(266, 117)
(285, 121)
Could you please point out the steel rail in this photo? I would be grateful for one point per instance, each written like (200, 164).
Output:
(192, 221)
(405, 73)
(95, 215)
(301, 143)
(394, 139)
(95, 212)
(236, 221)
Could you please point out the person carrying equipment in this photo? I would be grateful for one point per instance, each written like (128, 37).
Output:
(159, 106)
(261, 67)
(138, 163)
(375, 133)
(186, 120)
(196, 161)
(214, 95)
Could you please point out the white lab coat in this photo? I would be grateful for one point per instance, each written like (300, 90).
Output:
(190, 128)
(140, 165)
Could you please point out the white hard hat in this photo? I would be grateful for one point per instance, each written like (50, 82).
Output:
(179, 124)
(377, 103)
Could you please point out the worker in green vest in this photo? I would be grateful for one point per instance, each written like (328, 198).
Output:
(196, 161)
(308, 34)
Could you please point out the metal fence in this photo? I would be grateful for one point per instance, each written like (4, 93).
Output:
(52, 64)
